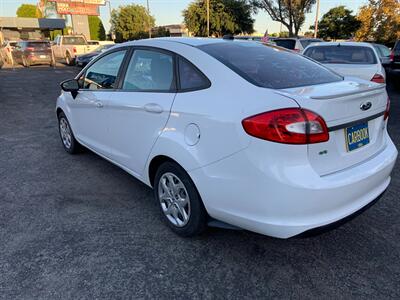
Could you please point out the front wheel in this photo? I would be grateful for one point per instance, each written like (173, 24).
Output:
(180, 203)
(68, 59)
(68, 140)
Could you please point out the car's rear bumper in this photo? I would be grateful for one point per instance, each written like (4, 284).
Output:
(283, 199)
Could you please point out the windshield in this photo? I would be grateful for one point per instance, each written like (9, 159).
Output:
(306, 43)
(74, 40)
(38, 44)
(339, 54)
(288, 44)
(269, 66)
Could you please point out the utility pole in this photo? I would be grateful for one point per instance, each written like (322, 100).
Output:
(149, 18)
(316, 21)
(208, 18)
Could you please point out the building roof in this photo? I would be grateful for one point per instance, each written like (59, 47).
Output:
(12, 22)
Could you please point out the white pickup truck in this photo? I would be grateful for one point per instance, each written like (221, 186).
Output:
(67, 47)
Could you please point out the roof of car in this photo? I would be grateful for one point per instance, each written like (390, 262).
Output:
(359, 44)
(191, 41)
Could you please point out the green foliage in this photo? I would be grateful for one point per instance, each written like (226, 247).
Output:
(28, 11)
(131, 22)
(96, 28)
(338, 23)
(226, 17)
(291, 13)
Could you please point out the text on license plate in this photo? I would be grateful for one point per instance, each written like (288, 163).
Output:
(356, 136)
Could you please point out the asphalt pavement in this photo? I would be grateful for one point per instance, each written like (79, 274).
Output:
(78, 227)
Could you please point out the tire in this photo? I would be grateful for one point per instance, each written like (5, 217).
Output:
(180, 199)
(25, 62)
(68, 59)
(70, 144)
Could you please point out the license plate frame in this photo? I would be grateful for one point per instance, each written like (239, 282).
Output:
(357, 136)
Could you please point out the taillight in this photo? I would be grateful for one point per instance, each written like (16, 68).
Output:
(74, 49)
(30, 48)
(386, 115)
(288, 126)
(378, 78)
(391, 57)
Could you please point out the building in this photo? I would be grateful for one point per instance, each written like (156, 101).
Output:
(175, 30)
(28, 28)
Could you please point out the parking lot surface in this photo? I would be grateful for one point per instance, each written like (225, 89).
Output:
(78, 227)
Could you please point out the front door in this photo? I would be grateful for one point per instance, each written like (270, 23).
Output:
(139, 111)
(88, 109)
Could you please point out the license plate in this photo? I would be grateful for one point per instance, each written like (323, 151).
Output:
(357, 136)
(43, 56)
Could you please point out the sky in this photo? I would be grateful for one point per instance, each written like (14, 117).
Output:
(170, 11)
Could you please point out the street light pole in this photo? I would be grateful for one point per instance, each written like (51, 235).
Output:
(208, 18)
(316, 21)
(109, 11)
(149, 18)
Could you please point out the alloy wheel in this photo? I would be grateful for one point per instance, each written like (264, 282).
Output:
(174, 199)
(65, 132)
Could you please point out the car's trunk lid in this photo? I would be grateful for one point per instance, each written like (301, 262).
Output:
(341, 106)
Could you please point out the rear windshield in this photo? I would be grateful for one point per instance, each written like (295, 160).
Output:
(342, 54)
(74, 41)
(305, 43)
(288, 44)
(269, 66)
(38, 44)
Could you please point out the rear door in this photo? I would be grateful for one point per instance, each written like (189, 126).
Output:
(354, 113)
(139, 111)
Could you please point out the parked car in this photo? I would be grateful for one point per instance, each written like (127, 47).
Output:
(349, 59)
(7, 49)
(383, 53)
(394, 68)
(67, 47)
(294, 44)
(84, 59)
(30, 53)
(251, 135)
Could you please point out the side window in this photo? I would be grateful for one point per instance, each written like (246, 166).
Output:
(190, 77)
(103, 73)
(150, 70)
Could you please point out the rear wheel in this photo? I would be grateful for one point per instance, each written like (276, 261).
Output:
(68, 140)
(25, 62)
(180, 203)
(68, 59)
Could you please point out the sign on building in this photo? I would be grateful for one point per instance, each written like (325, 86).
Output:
(75, 8)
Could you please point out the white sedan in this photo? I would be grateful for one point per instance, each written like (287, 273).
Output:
(349, 59)
(246, 134)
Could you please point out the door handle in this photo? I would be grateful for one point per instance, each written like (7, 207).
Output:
(99, 104)
(153, 108)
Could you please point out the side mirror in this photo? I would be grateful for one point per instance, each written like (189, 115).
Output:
(70, 85)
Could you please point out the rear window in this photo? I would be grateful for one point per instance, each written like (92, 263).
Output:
(288, 44)
(269, 66)
(306, 43)
(74, 41)
(342, 54)
(38, 44)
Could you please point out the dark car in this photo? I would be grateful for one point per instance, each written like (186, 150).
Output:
(30, 53)
(84, 59)
(394, 68)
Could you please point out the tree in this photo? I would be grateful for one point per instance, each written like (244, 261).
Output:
(28, 11)
(131, 22)
(380, 21)
(96, 28)
(226, 17)
(291, 13)
(161, 32)
(338, 23)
